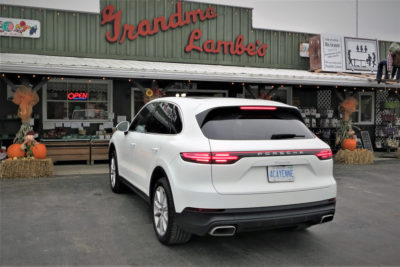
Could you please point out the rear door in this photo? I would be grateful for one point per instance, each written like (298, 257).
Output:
(264, 150)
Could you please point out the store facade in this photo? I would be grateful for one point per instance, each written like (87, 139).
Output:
(93, 70)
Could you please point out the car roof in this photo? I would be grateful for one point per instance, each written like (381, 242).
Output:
(199, 104)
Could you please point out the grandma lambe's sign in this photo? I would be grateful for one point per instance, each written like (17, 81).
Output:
(179, 20)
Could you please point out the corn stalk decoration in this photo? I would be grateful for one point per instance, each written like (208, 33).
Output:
(25, 98)
(345, 130)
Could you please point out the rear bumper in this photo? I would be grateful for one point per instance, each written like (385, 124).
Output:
(252, 219)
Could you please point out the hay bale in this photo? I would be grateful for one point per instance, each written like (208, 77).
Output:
(26, 168)
(357, 156)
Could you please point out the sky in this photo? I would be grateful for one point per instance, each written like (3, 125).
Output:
(377, 19)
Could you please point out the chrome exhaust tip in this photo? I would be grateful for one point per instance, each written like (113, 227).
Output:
(226, 230)
(326, 218)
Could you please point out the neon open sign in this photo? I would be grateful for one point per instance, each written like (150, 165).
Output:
(77, 96)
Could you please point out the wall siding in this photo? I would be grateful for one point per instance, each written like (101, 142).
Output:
(81, 35)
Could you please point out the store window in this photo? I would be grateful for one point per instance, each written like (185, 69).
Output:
(77, 100)
(365, 110)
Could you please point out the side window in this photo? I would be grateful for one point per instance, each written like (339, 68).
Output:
(158, 122)
(175, 118)
(158, 117)
(138, 124)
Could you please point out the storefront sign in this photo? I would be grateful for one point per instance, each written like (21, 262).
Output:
(332, 53)
(361, 54)
(146, 28)
(19, 27)
(77, 96)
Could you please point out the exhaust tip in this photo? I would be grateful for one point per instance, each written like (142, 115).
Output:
(326, 218)
(226, 230)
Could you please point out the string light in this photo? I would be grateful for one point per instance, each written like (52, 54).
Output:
(243, 84)
(344, 90)
(19, 76)
(336, 86)
(372, 88)
(395, 92)
(3, 75)
(300, 86)
(233, 83)
(48, 77)
(34, 75)
(281, 85)
(104, 78)
(62, 78)
(272, 86)
(317, 86)
(129, 80)
(363, 90)
(380, 90)
(188, 81)
(90, 81)
(389, 89)
(354, 88)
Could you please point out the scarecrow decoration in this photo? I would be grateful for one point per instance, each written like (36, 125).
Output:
(346, 138)
(26, 157)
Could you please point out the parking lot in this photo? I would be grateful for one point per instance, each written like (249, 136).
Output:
(77, 220)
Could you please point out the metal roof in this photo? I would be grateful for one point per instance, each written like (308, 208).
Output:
(93, 67)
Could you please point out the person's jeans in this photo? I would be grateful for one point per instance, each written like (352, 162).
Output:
(381, 65)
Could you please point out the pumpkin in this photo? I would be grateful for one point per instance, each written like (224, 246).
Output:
(15, 151)
(39, 151)
(349, 144)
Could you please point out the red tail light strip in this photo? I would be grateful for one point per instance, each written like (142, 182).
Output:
(232, 157)
(257, 108)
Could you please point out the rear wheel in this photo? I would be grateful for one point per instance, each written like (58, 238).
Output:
(167, 230)
(115, 181)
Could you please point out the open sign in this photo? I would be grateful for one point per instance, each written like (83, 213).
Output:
(77, 96)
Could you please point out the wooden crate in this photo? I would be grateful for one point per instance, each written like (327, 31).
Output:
(68, 150)
(99, 150)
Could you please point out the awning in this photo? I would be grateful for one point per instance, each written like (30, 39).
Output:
(93, 67)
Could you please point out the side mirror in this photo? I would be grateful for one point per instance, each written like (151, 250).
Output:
(123, 126)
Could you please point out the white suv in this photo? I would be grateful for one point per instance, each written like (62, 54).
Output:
(220, 166)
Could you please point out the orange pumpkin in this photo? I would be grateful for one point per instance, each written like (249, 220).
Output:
(349, 144)
(39, 151)
(15, 151)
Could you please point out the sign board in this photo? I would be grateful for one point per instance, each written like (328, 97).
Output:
(304, 52)
(19, 27)
(361, 55)
(332, 52)
(366, 140)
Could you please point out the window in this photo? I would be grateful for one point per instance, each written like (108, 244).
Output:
(77, 100)
(158, 117)
(232, 123)
(364, 113)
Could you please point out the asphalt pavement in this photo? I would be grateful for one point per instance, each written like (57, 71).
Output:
(77, 220)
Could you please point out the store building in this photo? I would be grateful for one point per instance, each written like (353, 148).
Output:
(93, 70)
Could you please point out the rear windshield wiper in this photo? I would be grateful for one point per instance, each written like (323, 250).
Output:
(285, 136)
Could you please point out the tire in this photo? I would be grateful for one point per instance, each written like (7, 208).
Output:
(115, 182)
(163, 209)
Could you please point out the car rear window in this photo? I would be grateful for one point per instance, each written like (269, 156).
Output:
(234, 123)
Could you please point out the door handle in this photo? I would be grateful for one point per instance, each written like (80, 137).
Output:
(132, 144)
(155, 149)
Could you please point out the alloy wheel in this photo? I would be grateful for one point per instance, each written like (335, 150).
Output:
(112, 172)
(160, 206)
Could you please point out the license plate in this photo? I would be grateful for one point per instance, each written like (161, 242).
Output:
(278, 174)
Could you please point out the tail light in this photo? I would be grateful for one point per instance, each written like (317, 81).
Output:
(324, 154)
(214, 158)
(257, 108)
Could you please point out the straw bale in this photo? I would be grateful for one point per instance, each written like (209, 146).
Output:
(26, 168)
(357, 156)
